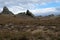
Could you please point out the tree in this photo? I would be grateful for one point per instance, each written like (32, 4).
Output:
(29, 13)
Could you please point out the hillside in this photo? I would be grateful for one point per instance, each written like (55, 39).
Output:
(26, 26)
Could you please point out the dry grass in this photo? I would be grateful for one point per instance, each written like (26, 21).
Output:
(28, 21)
(46, 33)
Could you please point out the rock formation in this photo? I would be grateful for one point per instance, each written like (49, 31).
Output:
(6, 11)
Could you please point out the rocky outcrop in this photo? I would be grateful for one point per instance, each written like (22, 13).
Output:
(25, 14)
(6, 11)
(29, 13)
(21, 14)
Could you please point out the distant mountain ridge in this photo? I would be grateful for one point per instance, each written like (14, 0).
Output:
(6, 11)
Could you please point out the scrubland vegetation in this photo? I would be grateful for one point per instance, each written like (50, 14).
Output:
(26, 26)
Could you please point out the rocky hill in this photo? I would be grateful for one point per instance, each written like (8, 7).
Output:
(6, 11)
(24, 26)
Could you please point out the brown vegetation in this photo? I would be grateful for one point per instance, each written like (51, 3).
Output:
(17, 27)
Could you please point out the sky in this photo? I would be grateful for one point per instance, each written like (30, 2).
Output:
(37, 7)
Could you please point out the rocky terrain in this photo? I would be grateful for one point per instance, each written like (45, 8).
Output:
(26, 26)
(29, 32)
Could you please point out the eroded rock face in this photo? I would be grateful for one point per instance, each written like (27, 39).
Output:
(6, 11)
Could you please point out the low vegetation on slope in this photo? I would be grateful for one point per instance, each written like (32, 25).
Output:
(4, 19)
(28, 27)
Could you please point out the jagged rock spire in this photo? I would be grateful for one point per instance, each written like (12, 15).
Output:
(29, 13)
(6, 11)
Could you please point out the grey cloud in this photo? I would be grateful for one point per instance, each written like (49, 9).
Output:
(28, 1)
(25, 4)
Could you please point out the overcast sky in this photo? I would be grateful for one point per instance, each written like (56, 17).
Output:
(35, 6)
